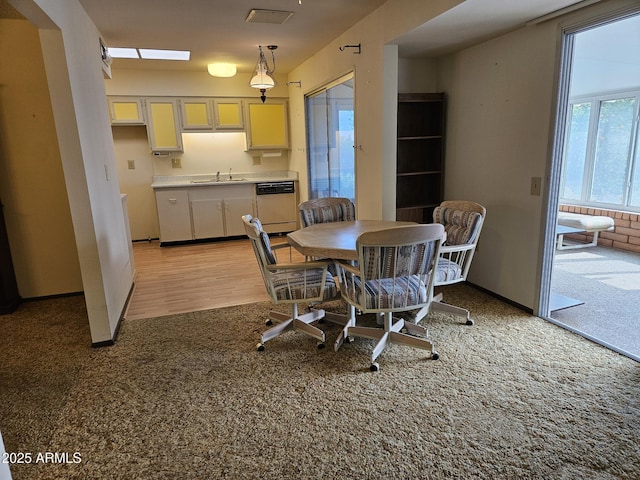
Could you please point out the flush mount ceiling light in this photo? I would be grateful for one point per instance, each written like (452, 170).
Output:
(149, 54)
(263, 80)
(221, 69)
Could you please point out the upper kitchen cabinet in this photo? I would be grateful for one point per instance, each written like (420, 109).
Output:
(126, 111)
(227, 113)
(195, 113)
(163, 128)
(267, 126)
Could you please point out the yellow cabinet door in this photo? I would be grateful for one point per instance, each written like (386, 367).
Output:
(228, 113)
(126, 111)
(162, 128)
(267, 126)
(196, 114)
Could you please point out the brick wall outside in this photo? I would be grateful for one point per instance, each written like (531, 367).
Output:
(626, 233)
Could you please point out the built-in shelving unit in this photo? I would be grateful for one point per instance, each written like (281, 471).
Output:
(420, 155)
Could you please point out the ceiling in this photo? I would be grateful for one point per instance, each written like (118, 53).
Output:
(215, 30)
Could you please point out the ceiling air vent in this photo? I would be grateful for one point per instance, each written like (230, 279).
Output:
(268, 16)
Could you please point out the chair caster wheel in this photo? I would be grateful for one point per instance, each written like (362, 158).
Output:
(349, 339)
(268, 322)
(321, 345)
(260, 347)
(374, 367)
(435, 356)
(469, 321)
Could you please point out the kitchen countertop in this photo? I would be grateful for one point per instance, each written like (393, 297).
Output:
(207, 180)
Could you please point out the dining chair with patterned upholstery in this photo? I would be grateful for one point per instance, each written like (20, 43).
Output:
(462, 221)
(394, 273)
(325, 210)
(290, 283)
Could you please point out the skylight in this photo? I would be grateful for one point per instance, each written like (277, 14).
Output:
(116, 52)
(149, 54)
(164, 54)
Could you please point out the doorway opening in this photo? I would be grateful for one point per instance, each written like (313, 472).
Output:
(596, 165)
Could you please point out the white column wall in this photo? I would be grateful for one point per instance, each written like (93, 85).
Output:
(70, 44)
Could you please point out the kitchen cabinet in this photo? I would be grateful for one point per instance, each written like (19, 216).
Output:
(126, 111)
(195, 114)
(201, 212)
(163, 129)
(267, 126)
(207, 215)
(174, 215)
(217, 210)
(227, 113)
(234, 209)
(420, 156)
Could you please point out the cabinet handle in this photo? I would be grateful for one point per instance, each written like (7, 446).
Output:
(173, 200)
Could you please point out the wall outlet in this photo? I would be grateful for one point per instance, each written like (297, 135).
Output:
(131, 164)
(536, 186)
(176, 163)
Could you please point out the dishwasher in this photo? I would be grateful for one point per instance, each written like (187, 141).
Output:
(277, 205)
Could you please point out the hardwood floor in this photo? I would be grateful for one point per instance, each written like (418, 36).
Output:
(187, 278)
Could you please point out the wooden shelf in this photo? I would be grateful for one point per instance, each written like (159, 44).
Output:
(420, 155)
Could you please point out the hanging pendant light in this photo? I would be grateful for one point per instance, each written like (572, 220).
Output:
(263, 79)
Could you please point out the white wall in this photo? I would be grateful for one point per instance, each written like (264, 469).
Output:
(70, 46)
(499, 112)
(417, 75)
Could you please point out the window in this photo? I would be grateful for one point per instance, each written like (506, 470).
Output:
(601, 162)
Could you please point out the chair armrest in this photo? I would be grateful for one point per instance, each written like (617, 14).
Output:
(298, 266)
(280, 245)
(348, 267)
(456, 248)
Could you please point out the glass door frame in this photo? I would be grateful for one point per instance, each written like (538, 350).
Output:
(330, 120)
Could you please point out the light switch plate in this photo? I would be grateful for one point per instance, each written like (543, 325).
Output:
(176, 163)
(536, 186)
(131, 164)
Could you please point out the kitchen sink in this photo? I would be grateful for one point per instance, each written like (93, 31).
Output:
(223, 180)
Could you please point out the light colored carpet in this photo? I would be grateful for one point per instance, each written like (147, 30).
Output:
(189, 397)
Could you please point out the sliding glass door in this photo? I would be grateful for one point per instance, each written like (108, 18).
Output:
(330, 138)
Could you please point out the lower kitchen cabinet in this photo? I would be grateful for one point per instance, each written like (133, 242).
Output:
(208, 218)
(234, 209)
(203, 212)
(174, 216)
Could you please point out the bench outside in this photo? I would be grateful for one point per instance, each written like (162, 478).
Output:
(582, 223)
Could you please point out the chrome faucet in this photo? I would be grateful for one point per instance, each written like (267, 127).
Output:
(229, 174)
(218, 176)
